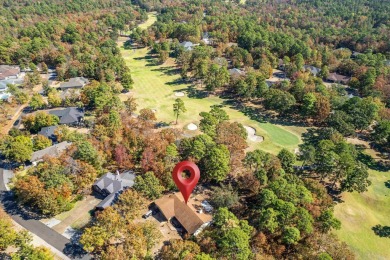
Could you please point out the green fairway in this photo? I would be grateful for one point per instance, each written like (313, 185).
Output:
(360, 212)
(152, 17)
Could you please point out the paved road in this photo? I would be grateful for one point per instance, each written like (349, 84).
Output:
(32, 224)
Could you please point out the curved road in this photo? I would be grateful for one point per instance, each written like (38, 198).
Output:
(32, 224)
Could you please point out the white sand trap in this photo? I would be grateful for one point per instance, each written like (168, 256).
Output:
(179, 94)
(192, 127)
(252, 134)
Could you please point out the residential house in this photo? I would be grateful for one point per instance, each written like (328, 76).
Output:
(174, 207)
(221, 61)
(49, 132)
(75, 83)
(337, 78)
(53, 151)
(5, 97)
(9, 72)
(313, 70)
(69, 116)
(206, 38)
(111, 185)
(235, 73)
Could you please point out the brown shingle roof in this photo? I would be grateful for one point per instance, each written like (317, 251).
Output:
(174, 206)
(7, 71)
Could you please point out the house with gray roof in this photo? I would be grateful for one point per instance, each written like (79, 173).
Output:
(53, 151)
(69, 116)
(111, 185)
(188, 46)
(313, 70)
(49, 132)
(236, 73)
(75, 83)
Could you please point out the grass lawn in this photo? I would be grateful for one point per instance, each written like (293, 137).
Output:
(152, 17)
(360, 212)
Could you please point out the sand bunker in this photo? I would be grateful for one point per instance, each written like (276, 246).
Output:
(179, 94)
(252, 134)
(192, 127)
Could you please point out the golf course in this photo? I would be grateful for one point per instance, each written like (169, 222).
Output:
(155, 87)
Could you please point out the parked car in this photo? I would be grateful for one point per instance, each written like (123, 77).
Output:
(147, 214)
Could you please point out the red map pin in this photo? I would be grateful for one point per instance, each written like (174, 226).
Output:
(186, 185)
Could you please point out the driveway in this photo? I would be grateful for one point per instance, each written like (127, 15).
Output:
(32, 224)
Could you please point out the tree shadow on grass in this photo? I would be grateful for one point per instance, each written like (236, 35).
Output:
(371, 163)
(176, 82)
(170, 71)
(382, 231)
(387, 184)
(192, 92)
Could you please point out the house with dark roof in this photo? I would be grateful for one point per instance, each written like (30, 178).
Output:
(313, 70)
(75, 83)
(49, 132)
(338, 78)
(53, 151)
(110, 185)
(192, 220)
(69, 116)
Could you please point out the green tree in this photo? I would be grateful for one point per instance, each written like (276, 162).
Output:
(54, 99)
(178, 108)
(41, 142)
(279, 100)
(327, 221)
(87, 153)
(224, 196)
(37, 102)
(149, 185)
(130, 105)
(127, 81)
(291, 235)
(287, 160)
(309, 104)
(216, 77)
(18, 149)
(216, 163)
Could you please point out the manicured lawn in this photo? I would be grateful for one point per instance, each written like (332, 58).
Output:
(152, 17)
(360, 212)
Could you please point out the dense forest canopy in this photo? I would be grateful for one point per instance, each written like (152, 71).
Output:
(267, 205)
